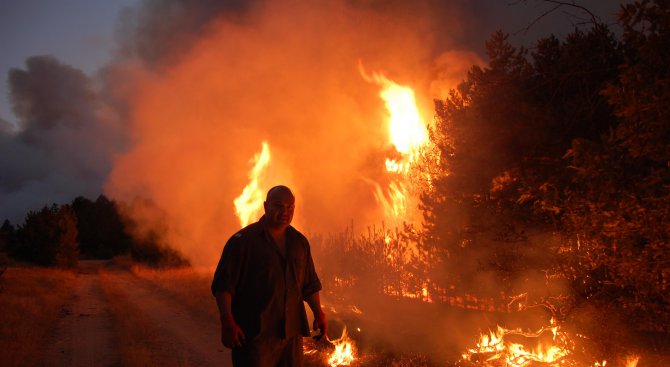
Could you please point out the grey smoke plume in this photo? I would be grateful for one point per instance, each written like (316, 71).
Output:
(65, 138)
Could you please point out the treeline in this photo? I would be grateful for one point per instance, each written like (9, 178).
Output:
(59, 235)
(551, 171)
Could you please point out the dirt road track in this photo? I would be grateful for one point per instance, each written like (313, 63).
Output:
(85, 334)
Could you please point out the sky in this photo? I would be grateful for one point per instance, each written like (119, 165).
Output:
(171, 100)
(81, 32)
(78, 32)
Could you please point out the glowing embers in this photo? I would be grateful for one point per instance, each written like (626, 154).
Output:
(408, 134)
(344, 353)
(250, 202)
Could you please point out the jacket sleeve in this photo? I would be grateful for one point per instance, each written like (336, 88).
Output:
(228, 271)
(312, 284)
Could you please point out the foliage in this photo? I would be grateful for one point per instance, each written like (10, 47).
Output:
(7, 236)
(101, 231)
(383, 261)
(48, 237)
(571, 140)
(58, 235)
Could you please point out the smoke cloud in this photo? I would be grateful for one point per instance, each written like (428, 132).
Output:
(65, 139)
(285, 72)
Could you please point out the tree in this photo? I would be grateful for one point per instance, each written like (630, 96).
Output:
(616, 202)
(49, 237)
(501, 137)
(101, 231)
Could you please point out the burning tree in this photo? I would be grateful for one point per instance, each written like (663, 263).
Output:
(554, 166)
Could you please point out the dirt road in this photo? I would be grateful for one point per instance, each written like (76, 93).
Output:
(85, 335)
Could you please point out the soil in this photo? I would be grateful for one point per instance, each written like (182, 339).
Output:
(85, 335)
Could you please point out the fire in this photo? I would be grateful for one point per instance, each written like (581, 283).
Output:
(631, 361)
(344, 353)
(406, 128)
(408, 134)
(248, 205)
(496, 350)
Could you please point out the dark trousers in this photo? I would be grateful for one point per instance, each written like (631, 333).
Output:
(269, 352)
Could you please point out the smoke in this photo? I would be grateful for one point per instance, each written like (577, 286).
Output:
(64, 142)
(204, 97)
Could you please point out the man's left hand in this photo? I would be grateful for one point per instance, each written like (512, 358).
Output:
(320, 323)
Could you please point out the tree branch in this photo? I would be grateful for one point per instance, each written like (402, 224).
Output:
(556, 5)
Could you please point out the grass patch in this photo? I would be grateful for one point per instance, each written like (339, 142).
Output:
(189, 286)
(31, 303)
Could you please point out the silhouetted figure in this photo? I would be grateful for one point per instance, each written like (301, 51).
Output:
(264, 275)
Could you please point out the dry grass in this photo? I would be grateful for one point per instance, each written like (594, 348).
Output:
(31, 303)
(189, 286)
(140, 343)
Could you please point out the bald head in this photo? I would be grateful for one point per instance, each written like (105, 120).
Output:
(279, 190)
(279, 205)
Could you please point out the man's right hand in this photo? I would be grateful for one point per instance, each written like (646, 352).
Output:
(232, 335)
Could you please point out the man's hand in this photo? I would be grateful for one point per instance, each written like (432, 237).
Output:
(232, 335)
(320, 323)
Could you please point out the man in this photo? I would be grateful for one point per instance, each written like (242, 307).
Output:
(264, 275)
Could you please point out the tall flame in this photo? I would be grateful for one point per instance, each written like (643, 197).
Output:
(248, 205)
(407, 130)
(408, 134)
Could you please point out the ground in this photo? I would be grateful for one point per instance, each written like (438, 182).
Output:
(86, 335)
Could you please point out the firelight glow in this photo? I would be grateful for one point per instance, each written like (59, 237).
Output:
(250, 202)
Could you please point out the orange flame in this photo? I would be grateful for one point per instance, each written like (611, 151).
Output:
(344, 353)
(248, 205)
(631, 361)
(408, 134)
(494, 347)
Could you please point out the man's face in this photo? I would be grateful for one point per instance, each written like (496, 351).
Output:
(279, 209)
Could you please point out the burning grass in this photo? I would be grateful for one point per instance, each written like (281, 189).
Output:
(31, 302)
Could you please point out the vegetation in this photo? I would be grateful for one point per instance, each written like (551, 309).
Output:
(48, 237)
(60, 235)
(550, 186)
(188, 285)
(32, 303)
(557, 162)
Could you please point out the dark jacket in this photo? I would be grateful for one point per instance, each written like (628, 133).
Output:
(267, 289)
